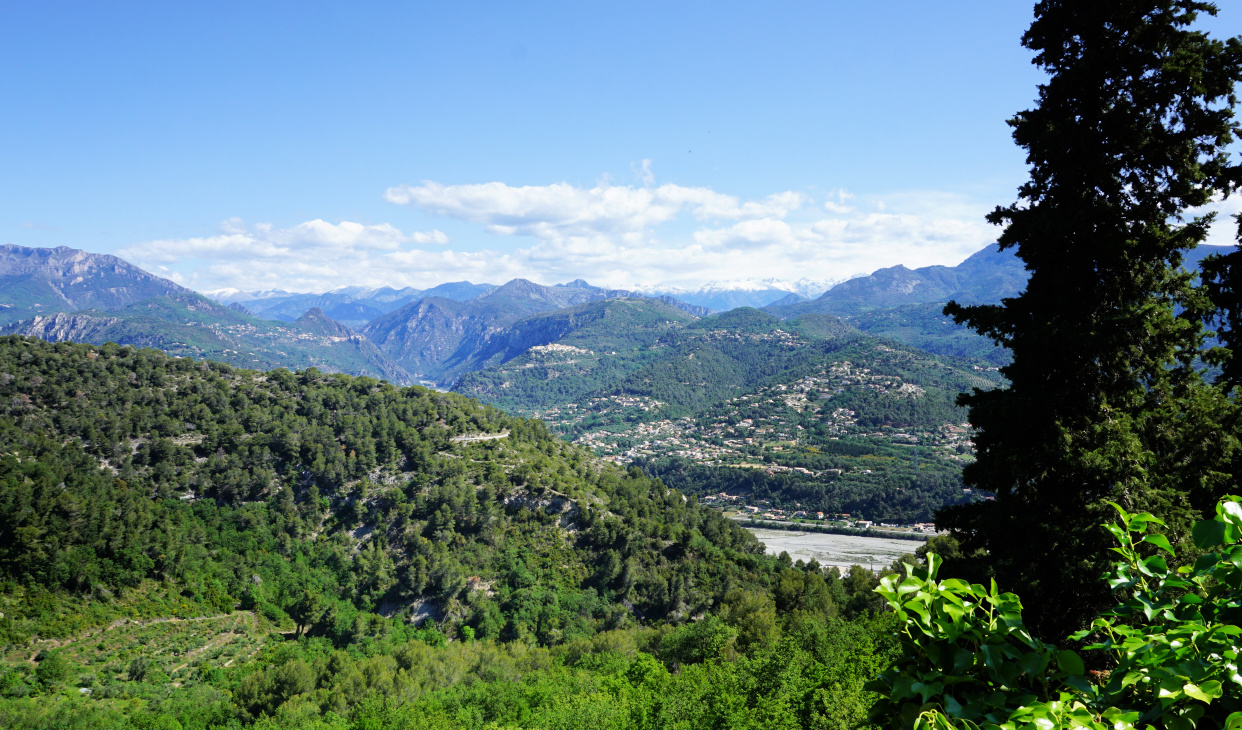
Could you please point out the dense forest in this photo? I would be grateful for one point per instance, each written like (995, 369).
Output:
(353, 516)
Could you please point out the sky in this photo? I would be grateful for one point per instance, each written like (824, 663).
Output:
(306, 146)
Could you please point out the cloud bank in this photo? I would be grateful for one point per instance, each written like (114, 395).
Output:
(621, 236)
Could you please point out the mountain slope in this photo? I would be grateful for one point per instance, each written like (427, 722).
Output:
(553, 358)
(189, 325)
(179, 486)
(645, 352)
(439, 339)
(905, 304)
(809, 413)
(986, 276)
(46, 280)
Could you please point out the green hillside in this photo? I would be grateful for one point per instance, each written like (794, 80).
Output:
(200, 455)
(645, 351)
(218, 542)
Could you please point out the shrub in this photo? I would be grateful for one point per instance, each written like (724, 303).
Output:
(969, 660)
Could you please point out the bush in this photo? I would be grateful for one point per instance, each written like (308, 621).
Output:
(1174, 644)
(53, 668)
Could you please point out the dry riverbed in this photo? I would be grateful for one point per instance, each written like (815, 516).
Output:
(839, 550)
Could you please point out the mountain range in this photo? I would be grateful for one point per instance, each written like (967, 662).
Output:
(439, 338)
(353, 306)
(37, 281)
(906, 304)
(712, 297)
(721, 296)
(64, 294)
(440, 334)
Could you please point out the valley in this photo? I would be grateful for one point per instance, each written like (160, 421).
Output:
(807, 413)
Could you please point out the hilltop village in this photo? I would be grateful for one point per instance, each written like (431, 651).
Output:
(762, 429)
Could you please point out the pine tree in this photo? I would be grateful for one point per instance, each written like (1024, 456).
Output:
(1106, 401)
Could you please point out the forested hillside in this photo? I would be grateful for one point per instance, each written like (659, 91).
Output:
(125, 465)
(137, 488)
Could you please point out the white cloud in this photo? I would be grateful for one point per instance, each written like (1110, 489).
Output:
(311, 254)
(644, 173)
(621, 236)
(560, 210)
(1224, 230)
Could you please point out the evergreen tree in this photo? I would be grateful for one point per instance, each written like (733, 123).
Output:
(1105, 401)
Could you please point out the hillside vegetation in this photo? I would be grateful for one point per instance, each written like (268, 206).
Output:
(126, 465)
(354, 527)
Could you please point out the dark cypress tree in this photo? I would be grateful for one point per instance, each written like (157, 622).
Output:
(1105, 401)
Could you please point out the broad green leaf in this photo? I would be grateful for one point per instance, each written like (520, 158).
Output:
(1155, 566)
(1211, 688)
(1208, 534)
(1069, 662)
(1206, 563)
(909, 585)
(1159, 541)
(1170, 689)
(1235, 556)
(1195, 691)
(1033, 663)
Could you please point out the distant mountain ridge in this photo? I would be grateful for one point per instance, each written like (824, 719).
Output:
(721, 296)
(905, 304)
(986, 276)
(352, 305)
(440, 334)
(438, 338)
(65, 294)
(44, 280)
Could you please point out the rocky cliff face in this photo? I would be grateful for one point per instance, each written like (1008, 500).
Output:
(423, 334)
(76, 279)
(64, 327)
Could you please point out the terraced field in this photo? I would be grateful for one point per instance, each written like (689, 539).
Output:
(169, 650)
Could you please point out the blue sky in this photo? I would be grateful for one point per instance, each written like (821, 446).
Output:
(312, 145)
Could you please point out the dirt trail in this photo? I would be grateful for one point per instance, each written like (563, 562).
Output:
(471, 438)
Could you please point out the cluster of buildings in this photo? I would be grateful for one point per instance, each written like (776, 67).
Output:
(776, 335)
(767, 422)
(572, 413)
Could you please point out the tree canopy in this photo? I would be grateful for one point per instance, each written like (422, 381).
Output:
(1106, 398)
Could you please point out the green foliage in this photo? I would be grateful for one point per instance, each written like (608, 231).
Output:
(136, 481)
(1172, 643)
(53, 668)
(1106, 400)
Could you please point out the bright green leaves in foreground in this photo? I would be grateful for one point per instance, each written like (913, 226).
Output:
(1173, 642)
